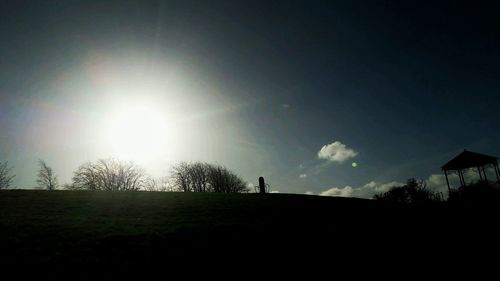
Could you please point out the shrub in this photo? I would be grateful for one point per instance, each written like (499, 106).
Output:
(414, 192)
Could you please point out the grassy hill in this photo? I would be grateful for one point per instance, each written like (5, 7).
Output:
(83, 227)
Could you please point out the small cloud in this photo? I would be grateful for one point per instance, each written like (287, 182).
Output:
(285, 105)
(437, 183)
(338, 191)
(309, 193)
(371, 184)
(387, 186)
(336, 152)
(275, 191)
(301, 166)
(366, 191)
(303, 176)
(251, 187)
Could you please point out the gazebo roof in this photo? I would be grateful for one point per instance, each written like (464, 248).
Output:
(468, 159)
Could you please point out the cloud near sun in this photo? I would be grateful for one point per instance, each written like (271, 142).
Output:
(336, 152)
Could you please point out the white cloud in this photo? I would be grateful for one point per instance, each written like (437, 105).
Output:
(366, 191)
(437, 183)
(371, 184)
(345, 191)
(303, 176)
(250, 187)
(309, 193)
(285, 105)
(386, 186)
(336, 152)
(275, 191)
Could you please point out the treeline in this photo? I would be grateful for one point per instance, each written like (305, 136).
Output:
(5, 175)
(204, 177)
(114, 175)
(415, 192)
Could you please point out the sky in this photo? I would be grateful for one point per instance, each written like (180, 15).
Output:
(343, 98)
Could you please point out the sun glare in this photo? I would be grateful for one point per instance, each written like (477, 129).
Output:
(139, 132)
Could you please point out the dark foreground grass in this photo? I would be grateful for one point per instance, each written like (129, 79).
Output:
(72, 228)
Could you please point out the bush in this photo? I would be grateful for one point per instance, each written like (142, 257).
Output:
(414, 192)
(204, 177)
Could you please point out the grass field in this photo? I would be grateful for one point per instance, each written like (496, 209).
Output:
(83, 227)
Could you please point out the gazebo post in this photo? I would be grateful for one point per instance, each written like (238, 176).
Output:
(485, 178)
(480, 176)
(447, 182)
(497, 171)
(461, 176)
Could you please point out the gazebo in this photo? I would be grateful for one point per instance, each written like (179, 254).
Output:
(467, 160)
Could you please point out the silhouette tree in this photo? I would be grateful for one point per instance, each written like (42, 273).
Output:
(67, 186)
(223, 180)
(5, 176)
(180, 177)
(204, 177)
(46, 177)
(109, 175)
(198, 175)
(157, 184)
(414, 192)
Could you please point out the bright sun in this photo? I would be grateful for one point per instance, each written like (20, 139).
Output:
(139, 132)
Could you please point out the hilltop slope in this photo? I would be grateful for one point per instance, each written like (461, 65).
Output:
(83, 227)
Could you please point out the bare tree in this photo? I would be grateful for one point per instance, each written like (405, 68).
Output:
(191, 177)
(198, 175)
(180, 177)
(5, 176)
(109, 175)
(67, 186)
(46, 177)
(204, 177)
(157, 184)
(223, 180)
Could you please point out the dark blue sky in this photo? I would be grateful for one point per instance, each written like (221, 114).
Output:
(404, 85)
